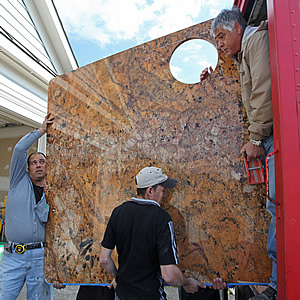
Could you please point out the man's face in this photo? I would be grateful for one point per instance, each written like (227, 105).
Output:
(37, 167)
(229, 42)
(159, 194)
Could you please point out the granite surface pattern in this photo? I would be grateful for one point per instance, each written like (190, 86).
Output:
(122, 113)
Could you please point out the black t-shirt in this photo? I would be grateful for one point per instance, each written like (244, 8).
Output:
(38, 192)
(144, 236)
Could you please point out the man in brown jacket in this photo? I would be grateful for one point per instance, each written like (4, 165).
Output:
(249, 47)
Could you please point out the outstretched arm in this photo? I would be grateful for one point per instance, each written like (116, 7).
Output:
(173, 276)
(19, 157)
(107, 263)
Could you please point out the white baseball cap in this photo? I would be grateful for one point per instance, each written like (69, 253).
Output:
(151, 176)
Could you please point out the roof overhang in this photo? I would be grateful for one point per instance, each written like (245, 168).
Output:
(51, 31)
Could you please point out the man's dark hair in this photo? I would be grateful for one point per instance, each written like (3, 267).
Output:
(142, 192)
(28, 159)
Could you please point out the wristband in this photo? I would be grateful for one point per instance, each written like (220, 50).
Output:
(257, 143)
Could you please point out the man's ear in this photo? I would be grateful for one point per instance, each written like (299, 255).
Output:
(149, 192)
(237, 28)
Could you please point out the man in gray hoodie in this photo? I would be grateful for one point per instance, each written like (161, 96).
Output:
(249, 47)
(25, 218)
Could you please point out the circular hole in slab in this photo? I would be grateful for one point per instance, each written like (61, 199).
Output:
(191, 58)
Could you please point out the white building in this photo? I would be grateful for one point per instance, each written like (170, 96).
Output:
(33, 50)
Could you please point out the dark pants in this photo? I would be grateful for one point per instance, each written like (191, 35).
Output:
(202, 294)
(89, 292)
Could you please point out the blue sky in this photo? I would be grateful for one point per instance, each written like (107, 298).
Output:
(100, 28)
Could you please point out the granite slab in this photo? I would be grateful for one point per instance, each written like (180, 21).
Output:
(124, 112)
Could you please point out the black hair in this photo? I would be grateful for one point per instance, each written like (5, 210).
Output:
(142, 192)
(28, 159)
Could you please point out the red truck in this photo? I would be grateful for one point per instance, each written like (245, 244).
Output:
(284, 37)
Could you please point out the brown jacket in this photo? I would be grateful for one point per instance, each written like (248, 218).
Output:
(255, 77)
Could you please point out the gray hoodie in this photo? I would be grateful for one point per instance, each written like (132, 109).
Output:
(24, 219)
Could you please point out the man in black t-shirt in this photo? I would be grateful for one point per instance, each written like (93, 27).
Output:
(143, 234)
